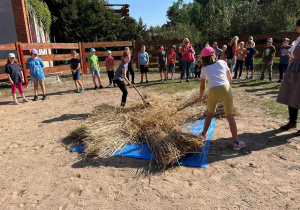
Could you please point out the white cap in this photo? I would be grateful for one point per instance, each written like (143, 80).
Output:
(108, 52)
(11, 55)
(269, 40)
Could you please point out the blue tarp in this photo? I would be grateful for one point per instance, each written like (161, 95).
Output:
(141, 150)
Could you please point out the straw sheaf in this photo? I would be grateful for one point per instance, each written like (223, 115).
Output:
(108, 129)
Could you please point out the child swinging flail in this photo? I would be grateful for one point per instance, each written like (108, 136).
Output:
(219, 78)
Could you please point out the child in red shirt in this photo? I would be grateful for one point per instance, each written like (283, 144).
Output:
(110, 68)
(171, 57)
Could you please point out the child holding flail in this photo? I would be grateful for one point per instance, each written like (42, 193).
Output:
(120, 76)
(15, 76)
(219, 78)
(75, 69)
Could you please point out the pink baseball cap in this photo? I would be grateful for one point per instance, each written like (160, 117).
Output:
(161, 47)
(34, 51)
(207, 51)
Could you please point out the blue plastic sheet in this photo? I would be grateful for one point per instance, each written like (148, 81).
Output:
(141, 150)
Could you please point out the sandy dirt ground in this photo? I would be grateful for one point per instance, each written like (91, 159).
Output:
(39, 172)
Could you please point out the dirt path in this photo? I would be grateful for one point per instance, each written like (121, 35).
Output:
(38, 172)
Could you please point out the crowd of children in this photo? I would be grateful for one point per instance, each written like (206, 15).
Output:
(239, 57)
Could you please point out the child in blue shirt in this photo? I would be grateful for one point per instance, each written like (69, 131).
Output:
(36, 73)
(284, 59)
(143, 62)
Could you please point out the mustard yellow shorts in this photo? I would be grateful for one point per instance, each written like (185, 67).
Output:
(222, 92)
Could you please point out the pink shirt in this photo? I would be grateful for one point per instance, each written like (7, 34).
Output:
(109, 63)
(188, 56)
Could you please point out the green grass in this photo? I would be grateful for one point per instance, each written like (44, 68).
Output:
(274, 108)
(171, 86)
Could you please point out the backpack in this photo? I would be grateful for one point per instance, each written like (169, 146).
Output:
(228, 52)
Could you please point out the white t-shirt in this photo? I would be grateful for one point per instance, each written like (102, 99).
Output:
(215, 74)
(294, 44)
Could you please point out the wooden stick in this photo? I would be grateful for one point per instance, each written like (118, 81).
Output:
(147, 103)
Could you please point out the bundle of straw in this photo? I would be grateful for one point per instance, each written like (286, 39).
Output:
(107, 129)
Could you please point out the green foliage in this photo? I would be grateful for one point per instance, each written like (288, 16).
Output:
(40, 10)
(91, 21)
(222, 19)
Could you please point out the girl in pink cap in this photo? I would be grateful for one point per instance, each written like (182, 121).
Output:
(217, 73)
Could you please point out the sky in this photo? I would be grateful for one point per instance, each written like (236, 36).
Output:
(152, 12)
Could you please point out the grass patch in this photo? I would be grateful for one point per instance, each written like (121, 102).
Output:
(171, 86)
(274, 108)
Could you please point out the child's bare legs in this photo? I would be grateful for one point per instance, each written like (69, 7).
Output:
(142, 77)
(160, 74)
(247, 73)
(42, 84)
(35, 87)
(94, 81)
(207, 122)
(99, 80)
(166, 74)
(80, 84)
(252, 73)
(232, 125)
(146, 76)
(76, 84)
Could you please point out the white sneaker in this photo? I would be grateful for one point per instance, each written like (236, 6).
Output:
(239, 146)
(110, 86)
(172, 78)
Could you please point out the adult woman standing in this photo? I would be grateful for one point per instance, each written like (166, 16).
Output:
(231, 52)
(186, 51)
(289, 92)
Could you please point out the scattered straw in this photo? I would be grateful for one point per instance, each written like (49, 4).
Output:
(108, 129)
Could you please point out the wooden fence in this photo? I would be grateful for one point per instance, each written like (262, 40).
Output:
(101, 47)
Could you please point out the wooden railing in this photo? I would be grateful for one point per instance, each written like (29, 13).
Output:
(84, 48)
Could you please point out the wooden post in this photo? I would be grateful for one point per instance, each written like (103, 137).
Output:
(83, 57)
(23, 64)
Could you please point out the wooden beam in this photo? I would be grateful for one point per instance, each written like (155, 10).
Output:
(3, 62)
(104, 54)
(49, 70)
(28, 46)
(52, 57)
(3, 76)
(108, 44)
(9, 46)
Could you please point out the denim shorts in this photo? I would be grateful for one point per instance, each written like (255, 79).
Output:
(76, 76)
(96, 73)
(34, 79)
(171, 67)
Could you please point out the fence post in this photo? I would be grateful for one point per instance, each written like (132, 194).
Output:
(81, 56)
(22, 62)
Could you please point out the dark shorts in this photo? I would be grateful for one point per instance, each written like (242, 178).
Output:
(180, 66)
(144, 69)
(76, 76)
(171, 67)
(162, 68)
(249, 64)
